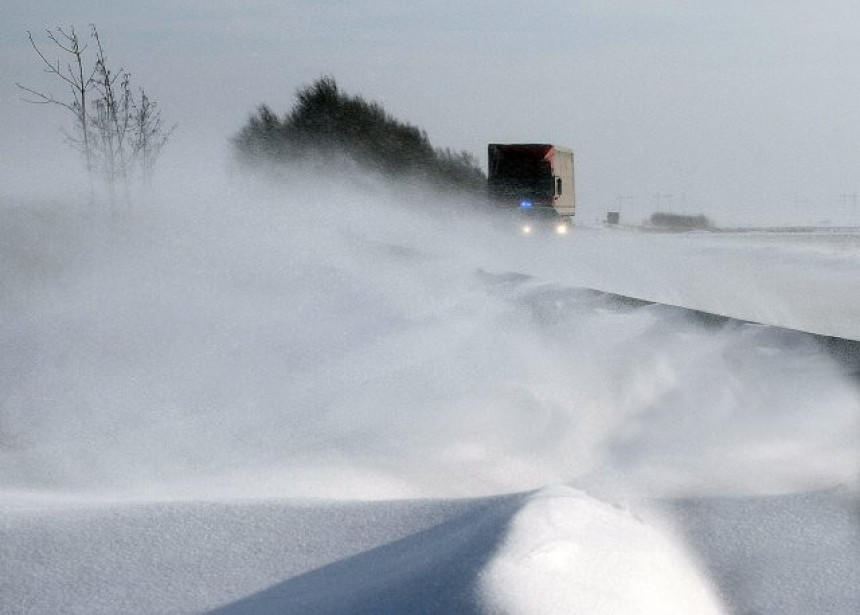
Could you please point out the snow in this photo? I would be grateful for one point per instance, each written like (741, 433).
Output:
(248, 556)
(566, 552)
(788, 553)
(242, 401)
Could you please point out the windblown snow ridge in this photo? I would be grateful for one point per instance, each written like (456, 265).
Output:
(556, 550)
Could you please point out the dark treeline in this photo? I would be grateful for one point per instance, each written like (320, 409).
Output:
(325, 123)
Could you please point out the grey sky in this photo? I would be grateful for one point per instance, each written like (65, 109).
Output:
(741, 110)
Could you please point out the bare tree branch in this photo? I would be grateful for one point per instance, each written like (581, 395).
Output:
(45, 99)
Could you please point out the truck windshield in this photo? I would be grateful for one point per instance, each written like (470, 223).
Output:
(521, 177)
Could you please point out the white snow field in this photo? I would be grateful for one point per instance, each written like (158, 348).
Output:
(341, 401)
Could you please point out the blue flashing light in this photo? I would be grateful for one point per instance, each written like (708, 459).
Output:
(526, 204)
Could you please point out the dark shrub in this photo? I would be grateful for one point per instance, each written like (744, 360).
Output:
(325, 122)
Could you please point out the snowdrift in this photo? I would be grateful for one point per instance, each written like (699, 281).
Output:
(554, 550)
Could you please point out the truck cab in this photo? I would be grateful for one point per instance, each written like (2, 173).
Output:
(536, 182)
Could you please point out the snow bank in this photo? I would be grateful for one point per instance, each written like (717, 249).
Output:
(272, 556)
(555, 551)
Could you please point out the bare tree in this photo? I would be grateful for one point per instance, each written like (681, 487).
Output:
(117, 133)
(112, 119)
(149, 135)
(76, 76)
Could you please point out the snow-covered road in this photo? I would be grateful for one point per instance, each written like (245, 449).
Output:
(806, 280)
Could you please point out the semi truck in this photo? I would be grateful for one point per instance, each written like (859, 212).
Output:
(535, 181)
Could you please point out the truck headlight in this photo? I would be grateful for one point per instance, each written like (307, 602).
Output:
(526, 229)
(561, 229)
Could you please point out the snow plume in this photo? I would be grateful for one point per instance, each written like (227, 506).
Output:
(567, 553)
(333, 342)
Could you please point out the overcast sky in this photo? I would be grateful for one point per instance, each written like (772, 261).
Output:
(740, 109)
